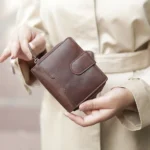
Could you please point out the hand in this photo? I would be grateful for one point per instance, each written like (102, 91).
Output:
(104, 107)
(18, 45)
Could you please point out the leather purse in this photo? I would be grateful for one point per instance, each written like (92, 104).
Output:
(70, 74)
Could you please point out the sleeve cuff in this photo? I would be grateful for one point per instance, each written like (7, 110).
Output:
(136, 120)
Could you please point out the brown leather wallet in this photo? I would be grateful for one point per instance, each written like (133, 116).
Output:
(70, 74)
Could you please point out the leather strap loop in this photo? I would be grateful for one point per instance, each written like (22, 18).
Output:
(82, 63)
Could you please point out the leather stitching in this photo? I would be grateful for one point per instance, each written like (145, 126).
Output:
(79, 57)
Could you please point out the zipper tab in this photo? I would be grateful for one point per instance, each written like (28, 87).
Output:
(33, 54)
(35, 60)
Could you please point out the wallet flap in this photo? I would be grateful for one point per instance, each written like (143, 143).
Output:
(82, 63)
(91, 54)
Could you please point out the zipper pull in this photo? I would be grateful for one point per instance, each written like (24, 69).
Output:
(33, 54)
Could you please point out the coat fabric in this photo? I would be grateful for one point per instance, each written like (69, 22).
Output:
(118, 32)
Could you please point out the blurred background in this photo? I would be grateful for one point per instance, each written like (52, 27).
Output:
(19, 112)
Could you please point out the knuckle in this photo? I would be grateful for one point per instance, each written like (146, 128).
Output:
(42, 39)
(88, 105)
(41, 36)
(14, 55)
(93, 105)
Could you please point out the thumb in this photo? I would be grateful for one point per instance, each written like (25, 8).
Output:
(38, 44)
(94, 104)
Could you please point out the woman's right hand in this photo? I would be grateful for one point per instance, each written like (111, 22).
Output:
(18, 45)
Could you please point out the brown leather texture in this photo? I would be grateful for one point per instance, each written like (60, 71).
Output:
(70, 74)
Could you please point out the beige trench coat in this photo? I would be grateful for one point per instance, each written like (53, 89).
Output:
(118, 32)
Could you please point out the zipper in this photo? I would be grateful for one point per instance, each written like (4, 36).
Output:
(33, 54)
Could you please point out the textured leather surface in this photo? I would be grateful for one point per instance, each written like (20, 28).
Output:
(70, 74)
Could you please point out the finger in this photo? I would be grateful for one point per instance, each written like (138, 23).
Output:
(25, 36)
(96, 117)
(84, 121)
(25, 33)
(5, 55)
(38, 43)
(75, 118)
(15, 49)
(94, 104)
(25, 49)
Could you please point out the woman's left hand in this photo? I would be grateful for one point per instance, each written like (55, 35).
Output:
(104, 107)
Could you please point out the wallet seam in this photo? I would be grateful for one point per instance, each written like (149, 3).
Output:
(54, 48)
(43, 58)
(93, 91)
(97, 86)
(58, 84)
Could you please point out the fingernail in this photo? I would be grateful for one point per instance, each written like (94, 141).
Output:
(12, 57)
(66, 113)
(81, 106)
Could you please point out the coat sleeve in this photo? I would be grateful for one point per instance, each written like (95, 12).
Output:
(29, 14)
(139, 85)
